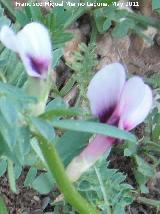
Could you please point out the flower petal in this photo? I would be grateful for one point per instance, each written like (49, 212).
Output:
(104, 90)
(8, 38)
(35, 48)
(34, 40)
(135, 103)
(95, 149)
(32, 44)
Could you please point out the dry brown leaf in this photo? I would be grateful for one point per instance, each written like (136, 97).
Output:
(140, 43)
(111, 50)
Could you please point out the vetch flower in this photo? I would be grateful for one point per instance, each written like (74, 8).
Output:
(114, 101)
(32, 44)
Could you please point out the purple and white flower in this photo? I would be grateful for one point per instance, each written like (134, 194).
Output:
(32, 44)
(114, 101)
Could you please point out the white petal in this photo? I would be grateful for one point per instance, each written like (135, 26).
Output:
(135, 103)
(34, 40)
(33, 45)
(104, 90)
(8, 38)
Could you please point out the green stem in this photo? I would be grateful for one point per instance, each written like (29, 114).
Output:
(151, 202)
(40, 89)
(58, 172)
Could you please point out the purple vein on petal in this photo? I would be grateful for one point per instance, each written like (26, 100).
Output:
(39, 66)
(105, 115)
(105, 89)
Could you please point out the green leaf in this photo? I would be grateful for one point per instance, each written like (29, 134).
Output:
(121, 29)
(8, 4)
(15, 94)
(103, 17)
(58, 102)
(38, 152)
(57, 54)
(143, 167)
(17, 170)
(155, 4)
(19, 76)
(3, 62)
(83, 64)
(71, 144)
(11, 177)
(22, 146)
(60, 38)
(8, 110)
(154, 80)
(94, 127)
(67, 87)
(100, 24)
(43, 183)
(36, 13)
(106, 187)
(119, 209)
(30, 177)
(42, 127)
(141, 180)
(144, 20)
(21, 17)
(107, 24)
(156, 130)
(130, 148)
(150, 202)
(61, 112)
(3, 167)
(3, 19)
(55, 21)
(3, 208)
(9, 132)
(5, 150)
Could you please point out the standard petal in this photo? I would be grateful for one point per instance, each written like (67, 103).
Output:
(135, 103)
(104, 90)
(32, 44)
(35, 49)
(34, 40)
(8, 38)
